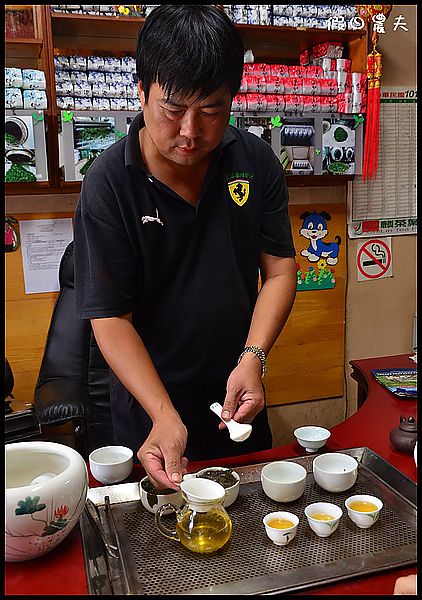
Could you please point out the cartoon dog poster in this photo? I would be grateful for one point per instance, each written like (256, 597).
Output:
(314, 228)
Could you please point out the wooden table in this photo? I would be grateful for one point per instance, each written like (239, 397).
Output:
(62, 571)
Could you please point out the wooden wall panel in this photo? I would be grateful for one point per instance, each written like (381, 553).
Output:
(307, 361)
(27, 320)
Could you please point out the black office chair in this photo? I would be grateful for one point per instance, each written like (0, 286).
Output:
(73, 382)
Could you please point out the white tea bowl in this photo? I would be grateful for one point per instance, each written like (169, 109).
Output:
(153, 499)
(334, 471)
(311, 437)
(283, 481)
(365, 517)
(46, 488)
(111, 464)
(232, 491)
(281, 536)
(323, 517)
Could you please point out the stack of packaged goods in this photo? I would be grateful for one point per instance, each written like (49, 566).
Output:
(323, 82)
(104, 10)
(25, 88)
(96, 83)
(309, 16)
(351, 85)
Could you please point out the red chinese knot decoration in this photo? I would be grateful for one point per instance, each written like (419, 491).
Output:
(371, 13)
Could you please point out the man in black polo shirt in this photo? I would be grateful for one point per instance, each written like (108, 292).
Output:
(173, 225)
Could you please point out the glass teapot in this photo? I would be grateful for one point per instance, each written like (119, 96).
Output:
(202, 523)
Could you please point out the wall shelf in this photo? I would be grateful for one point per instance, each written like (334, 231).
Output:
(62, 33)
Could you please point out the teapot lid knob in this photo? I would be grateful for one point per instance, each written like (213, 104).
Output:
(408, 424)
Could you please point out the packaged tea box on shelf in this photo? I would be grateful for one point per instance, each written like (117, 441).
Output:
(61, 75)
(64, 88)
(83, 104)
(100, 89)
(13, 98)
(61, 62)
(101, 103)
(112, 64)
(65, 102)
(33, 79)
(118, 104)
(96, 77)
(78, 76)
(95, 63)
(77, 63)
(82, 89)
(34, 99)
(133, 104)
(113, 77)
(127, 79)
(12, 77)
(128, 64)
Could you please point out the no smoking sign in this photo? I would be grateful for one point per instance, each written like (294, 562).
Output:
(374, 259)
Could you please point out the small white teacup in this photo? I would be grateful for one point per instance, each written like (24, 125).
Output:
(111, 464)
(363, 510)
(323, 517)
(281, 527)
(283, 481)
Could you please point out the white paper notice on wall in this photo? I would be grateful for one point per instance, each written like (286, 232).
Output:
(43, 242)
(386, 205)
(374, 259)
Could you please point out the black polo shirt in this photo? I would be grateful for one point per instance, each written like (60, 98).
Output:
(189, 274)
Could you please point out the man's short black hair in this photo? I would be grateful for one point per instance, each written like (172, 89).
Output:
(191, 50)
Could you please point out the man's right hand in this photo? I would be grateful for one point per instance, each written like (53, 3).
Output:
(161, 455)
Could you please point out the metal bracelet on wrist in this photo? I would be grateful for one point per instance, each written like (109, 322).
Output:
(259, 353)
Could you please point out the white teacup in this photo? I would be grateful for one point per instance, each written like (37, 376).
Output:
(335, 471)
(153, 500)
(283, 481)
(111, 464)
(360, 512)
(281, 535)
(323, 517)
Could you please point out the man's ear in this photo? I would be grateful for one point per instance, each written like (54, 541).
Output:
(141, 93)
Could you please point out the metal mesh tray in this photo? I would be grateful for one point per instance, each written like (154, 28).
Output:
(250, 563)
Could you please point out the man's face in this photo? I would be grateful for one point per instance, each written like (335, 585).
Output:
(185, 130)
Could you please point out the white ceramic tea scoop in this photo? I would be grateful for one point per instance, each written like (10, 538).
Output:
(239, 432)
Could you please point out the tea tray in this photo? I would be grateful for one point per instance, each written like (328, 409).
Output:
(147, 563)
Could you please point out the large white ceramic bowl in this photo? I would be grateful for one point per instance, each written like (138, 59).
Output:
(46, 488)
(334, 471)
(311, 437)
(283, 481)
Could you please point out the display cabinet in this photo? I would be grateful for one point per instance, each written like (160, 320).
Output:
(55, 33)
(85, 134)
(25, 146)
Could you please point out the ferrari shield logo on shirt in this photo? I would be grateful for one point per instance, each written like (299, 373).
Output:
(239, 190)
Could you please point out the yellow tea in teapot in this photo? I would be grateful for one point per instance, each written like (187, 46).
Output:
(363, 506)
(204, 532)
(322, 517)
(280, 523)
